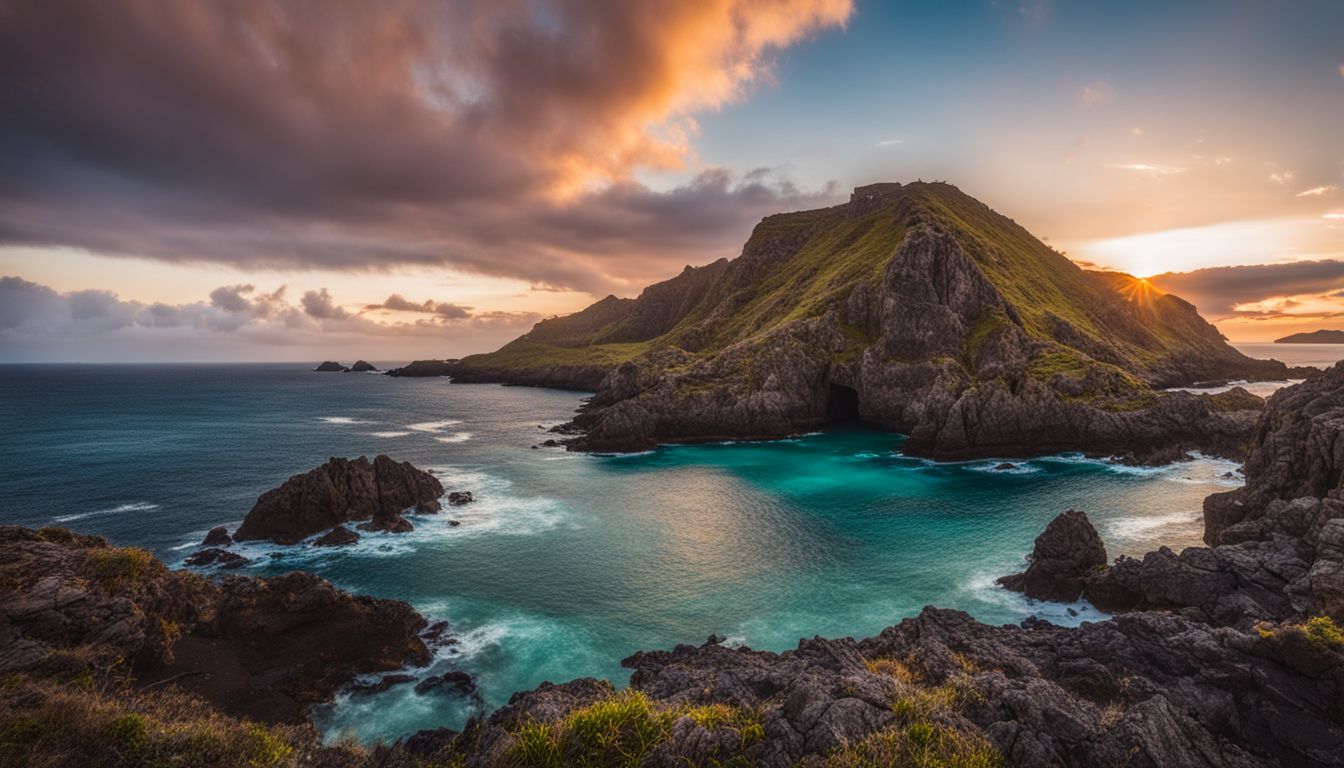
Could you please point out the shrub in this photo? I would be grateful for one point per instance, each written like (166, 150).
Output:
(1323, 632)
(116, 566)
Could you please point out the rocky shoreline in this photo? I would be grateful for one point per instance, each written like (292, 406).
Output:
(1226, 655)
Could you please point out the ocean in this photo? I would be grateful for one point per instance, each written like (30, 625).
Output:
(566, 563)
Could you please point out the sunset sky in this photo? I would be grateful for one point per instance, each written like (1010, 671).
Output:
(302, 180)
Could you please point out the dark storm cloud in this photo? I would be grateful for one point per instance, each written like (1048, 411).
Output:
(1217, 291)
(356, 135)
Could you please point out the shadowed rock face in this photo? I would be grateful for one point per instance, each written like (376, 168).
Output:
(944, 319)
(262, 648)
(340, 491)
(1066, 554)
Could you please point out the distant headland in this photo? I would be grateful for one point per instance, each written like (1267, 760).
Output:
(1323, 336)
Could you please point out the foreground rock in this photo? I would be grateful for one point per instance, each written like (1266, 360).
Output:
(261, 648)
(1065, 555)
(341, 491)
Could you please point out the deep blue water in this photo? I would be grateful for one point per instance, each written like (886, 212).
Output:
(566, 563)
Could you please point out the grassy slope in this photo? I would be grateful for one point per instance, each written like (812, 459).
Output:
(798, 265)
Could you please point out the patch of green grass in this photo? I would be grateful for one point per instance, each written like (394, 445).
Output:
(622, 731)
(527, 353)
(115, 566)
(919, 744)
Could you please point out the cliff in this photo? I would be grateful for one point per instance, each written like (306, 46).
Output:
(912, 307)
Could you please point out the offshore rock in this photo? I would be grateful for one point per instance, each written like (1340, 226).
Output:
(361, 366)
(341, 491)
(330, 366)
(1065, 555)
(217, 537)
(339, 536)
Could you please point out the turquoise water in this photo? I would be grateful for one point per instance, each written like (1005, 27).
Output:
(567, 563)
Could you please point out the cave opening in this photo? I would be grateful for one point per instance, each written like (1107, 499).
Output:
(842, 404)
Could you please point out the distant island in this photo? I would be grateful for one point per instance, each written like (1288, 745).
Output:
(1323, 336)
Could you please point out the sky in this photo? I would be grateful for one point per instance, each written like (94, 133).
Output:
(265, 180)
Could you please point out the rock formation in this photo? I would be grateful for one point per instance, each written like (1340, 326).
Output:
(336, 537)
(361, 366)
(341, 491)
(331, 366)
(425, 368)
(217, 537)
(1065, 555)
(914, 308)
(263, 648)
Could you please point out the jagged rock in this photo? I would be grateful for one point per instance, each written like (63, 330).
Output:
(330, 367)
(381, 684)
(1065, 555)
(361, 366)
(458, 498)
(337, 537)
(456, 680)
(393, 523)
(216, 556)
(217, 537)
(341, 491)
(261, 648)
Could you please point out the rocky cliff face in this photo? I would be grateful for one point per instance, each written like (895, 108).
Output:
(915, 308)
(340, 491)
(261, 648)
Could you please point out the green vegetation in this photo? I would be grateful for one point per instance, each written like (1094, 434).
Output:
(621, 731)
(922, 734)
(117, 566)
(527, 353)
(1323, 632)
(45, 724)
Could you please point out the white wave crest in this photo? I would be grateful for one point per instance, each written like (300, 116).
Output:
(135, 506)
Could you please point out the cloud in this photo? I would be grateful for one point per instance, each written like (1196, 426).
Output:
(319, 304)
(1281, 177)
(890, 142)
(1096, 93)
(1218, 292)
(1149, 168)
(1324, 189)
(266, 134)
(399, 303)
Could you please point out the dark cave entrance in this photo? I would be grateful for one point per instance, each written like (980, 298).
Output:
(842, 404)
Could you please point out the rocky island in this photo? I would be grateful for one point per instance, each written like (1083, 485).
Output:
(912, 307)
(1323, 336)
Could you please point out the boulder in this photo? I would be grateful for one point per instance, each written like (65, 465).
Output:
(1065, 555)
(217, 537)
(216, 556)
(341, 491)
(455, 680)
(458, 498)
(337, 537)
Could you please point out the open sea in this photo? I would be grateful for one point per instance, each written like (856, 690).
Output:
(566, 563)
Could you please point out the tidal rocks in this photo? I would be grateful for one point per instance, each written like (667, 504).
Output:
(458, 498)
(455, 680)
(339, 536)
(341, 491)
(216, 556)
(261, 648)
(425, 368)
(361, 366)
(217, 537)
(1065, 555)
(330, 366)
